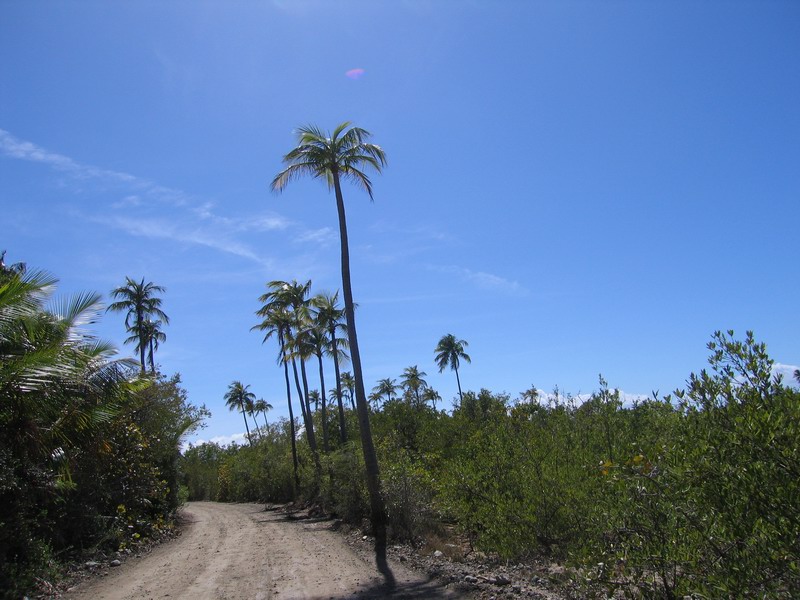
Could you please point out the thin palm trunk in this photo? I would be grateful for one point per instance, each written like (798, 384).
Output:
(342, 423)
(258, 429)
(142, 340)
(291, 412)
(299, 391)
(370, 456)
(324, 398)
(152, 352)
(458, 381)
(312, 438)
(247, 428)
(304, 377)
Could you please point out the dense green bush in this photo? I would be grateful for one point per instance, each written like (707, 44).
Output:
(691, 495)
(88, 446)
(714, 511)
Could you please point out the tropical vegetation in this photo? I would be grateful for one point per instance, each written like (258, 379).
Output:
(693, 494)
(89, 444)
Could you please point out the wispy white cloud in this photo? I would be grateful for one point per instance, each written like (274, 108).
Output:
(162, 229)
(322, 237)
(13, 147)
(195, 223)
(481, 279)
(418, 232)
(787, 371)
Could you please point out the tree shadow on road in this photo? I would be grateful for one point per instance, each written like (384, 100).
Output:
(380, 559)
(404, 591)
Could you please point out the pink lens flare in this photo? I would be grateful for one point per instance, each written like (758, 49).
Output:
(355, 73)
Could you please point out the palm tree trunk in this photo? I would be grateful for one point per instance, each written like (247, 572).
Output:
(258, 429)
(244, 416)
(152, 362)
(342, 424)
(458, 381)
(142, 340)
(291, 413)
(378, 516)
(312, 438)
(299, 391)
(325, 446)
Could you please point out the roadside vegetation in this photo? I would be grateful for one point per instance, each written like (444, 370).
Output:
(89, 444)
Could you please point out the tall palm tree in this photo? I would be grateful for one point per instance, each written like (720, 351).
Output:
(294, 297)
(343, 154)
(238, 397)
(140, 301)
(277, 322)
(328, 315)
(412, 381)
(449, 352)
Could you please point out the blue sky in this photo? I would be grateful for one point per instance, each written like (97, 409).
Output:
(574, 188)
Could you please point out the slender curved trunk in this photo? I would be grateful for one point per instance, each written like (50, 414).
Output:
(324, 398)
(342, 423)
(458, 381)
(291, 412)
(152, 361)
(299, 390)
(307, 422)
(142, 337)
(247, 428)
(377, 507)
(258, 429)
(312, 438)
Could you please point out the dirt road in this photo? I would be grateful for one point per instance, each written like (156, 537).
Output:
(240, 551)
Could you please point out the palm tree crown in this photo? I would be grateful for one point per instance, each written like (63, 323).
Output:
(412, 381)
(387, 387)
(239, 397)
(340, 155)
(141, 303)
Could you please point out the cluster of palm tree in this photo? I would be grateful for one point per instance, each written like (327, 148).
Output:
(415, 389)
(449, 352)
(239, 397)
(143, 319)
(307, 329)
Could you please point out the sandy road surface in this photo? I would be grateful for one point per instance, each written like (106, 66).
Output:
(241, 551)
